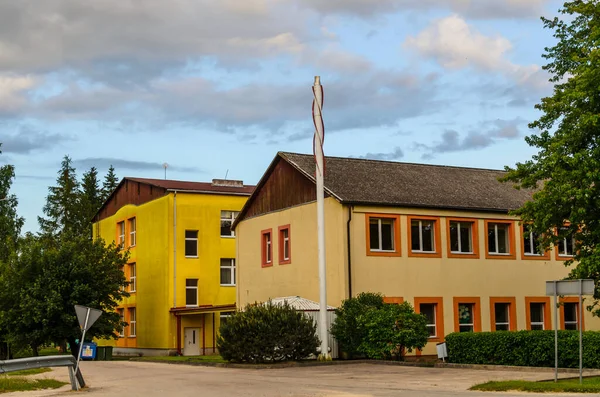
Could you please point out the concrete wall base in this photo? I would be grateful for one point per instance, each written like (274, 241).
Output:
(137, 352)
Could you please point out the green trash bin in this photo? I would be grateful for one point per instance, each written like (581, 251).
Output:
(101, 353)
(109, 351)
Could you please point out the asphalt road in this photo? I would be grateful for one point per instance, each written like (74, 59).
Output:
(124, 378)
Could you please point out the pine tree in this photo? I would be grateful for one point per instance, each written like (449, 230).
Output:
(63, 215)
(110, 183)
(90, 199)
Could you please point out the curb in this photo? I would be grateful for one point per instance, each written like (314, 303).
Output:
(515, 368)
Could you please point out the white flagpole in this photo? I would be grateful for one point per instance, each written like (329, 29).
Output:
(320, 164)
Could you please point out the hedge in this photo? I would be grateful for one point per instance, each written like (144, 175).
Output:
(523, 348)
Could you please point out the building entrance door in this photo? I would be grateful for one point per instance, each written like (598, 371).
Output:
(191, 345)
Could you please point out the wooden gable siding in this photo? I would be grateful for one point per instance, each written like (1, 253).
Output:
(129, 192)
(285, 187)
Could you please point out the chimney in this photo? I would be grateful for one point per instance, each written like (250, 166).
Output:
(227, 183)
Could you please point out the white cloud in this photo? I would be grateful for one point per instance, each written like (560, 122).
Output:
(12, 90)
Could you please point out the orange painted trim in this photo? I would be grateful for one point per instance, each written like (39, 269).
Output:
(263, 248)
(393, 299)
(512, 312)
(545, 257)
(474, 238)
(547, 313)
(283, 261)
(570, 299)
(439, 315)
(476, 302)
(397, 247)
(511, 239)
(436, 236)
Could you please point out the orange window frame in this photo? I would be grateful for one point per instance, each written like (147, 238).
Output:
(511, 240)
(544, 257)
(282, 260)
(437, 239)
(263, 248)
(580, 321)
(476, 302)
(397, 249)
(547, 313)
(439, 315)
(474, 238)
(512, 312)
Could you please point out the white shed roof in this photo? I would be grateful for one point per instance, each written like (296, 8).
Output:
(299, 303)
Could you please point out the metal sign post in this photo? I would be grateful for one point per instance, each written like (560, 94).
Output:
(569, 287)
(86, 317)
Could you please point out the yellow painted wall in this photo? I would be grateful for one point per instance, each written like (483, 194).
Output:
(153, 254)
(301, 276)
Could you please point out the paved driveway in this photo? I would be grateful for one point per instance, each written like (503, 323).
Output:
(124, 378)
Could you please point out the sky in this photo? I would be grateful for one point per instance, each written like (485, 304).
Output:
(217, 88)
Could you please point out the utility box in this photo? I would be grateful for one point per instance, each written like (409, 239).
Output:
(89, 351)
(109, 352)
(442, 351)
(100, 353)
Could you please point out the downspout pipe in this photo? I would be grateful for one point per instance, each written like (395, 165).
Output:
(174, 248)
(349, 251)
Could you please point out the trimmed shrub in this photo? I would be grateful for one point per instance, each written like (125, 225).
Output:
(523, 348)
(267, 333)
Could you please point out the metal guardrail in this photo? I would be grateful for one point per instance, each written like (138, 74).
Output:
(70, 362)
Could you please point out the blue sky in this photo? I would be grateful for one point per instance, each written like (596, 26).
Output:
(216, 87)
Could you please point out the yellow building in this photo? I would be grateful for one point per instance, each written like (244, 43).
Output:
(182, 268)
(438, 237)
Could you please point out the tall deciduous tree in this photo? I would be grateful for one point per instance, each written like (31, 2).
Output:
(566, 170)
(110, 183)
(10, 222)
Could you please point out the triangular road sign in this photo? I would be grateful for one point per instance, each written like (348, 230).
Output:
(82, 314)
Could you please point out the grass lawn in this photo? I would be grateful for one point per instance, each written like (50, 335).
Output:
(189, 359)
(590, 385)
(26, 372)
(9, 384)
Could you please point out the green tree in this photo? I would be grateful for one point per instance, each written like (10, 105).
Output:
(63, 215)
(10, 222)
(110, 183)
(90, 199)
(565, 172)
(346, 327)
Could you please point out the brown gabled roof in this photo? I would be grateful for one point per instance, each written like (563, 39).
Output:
(390, 183)
(374, 182)
(208, 187)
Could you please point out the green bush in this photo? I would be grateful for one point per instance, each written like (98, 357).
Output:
(524, 348)
(366, 326)
(267, 333)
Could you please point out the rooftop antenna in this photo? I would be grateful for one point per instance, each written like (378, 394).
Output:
(165, 165)
(226, 173)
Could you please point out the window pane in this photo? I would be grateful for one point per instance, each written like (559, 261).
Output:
(191, 296)
(428, 240)
(414, 236)
(503, 245)
(465, 237)
(527, 242)
(226, 276)
(226, 214)
(570, 312)
(191, 282)
(454, 236)
(286, 249)
(537, 327)
(387, 234)
(491, 238)
(536, 312)
(501, 310)
(226, 228)
(465, 313)
(374, 234)
(536, 244)
(428, 310)
(502, 327)
(191, 247)
(191, 234)
(465, 328)
(432, 331)
(569, 250)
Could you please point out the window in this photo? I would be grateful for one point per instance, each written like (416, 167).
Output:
(571, 315)
(121, 234)
(467, 317)
(132, 278)
(428, 310)
(536, 319)
(284, 245)
(132, 232)
(191, 243)
(223, 317)
(266, 248)
(227, 218)
(462, 238)
(383, 235)
(191, 292)
(122, 319)
(227, 272)
(132, 323)
(531, 243)
(565, 245)
(503, 314)
(424, 236)
(499, 240)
